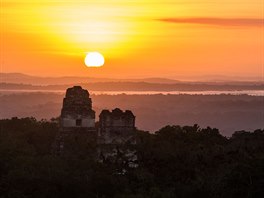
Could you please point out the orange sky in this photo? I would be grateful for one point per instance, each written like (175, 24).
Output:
(140, 38)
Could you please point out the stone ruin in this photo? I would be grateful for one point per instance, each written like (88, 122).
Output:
(77, 110)
(116, 127)
(115, 136)
(77, 120)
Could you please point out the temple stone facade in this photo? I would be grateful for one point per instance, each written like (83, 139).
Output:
(77, 110)
(77, 122)
(116, 127)
(117, 137)
(113, 140)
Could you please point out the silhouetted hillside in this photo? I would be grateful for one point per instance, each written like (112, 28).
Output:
(18, 78)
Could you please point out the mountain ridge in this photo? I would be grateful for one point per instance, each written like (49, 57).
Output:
(36, 80)
(21, 78)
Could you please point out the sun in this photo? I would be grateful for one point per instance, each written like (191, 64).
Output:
(94, 59)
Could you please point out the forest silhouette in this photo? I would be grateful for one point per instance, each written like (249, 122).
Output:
(175, 161)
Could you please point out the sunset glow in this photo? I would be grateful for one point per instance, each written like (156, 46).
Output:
(139, 38)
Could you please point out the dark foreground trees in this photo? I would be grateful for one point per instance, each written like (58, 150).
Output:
(174, 162)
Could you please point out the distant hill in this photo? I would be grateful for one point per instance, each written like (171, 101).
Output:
(19, 78)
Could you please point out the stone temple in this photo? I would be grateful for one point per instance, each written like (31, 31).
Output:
(77, 110)
(114, 137)
(116, 127)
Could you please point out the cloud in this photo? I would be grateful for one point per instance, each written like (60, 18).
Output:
(217, 21)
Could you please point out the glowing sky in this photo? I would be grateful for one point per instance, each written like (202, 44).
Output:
(139, 38)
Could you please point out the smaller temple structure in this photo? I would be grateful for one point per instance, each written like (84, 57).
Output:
(117, 137)
(116, 127)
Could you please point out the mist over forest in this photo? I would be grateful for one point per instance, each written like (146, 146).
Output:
(228, 113)
(17, 81)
